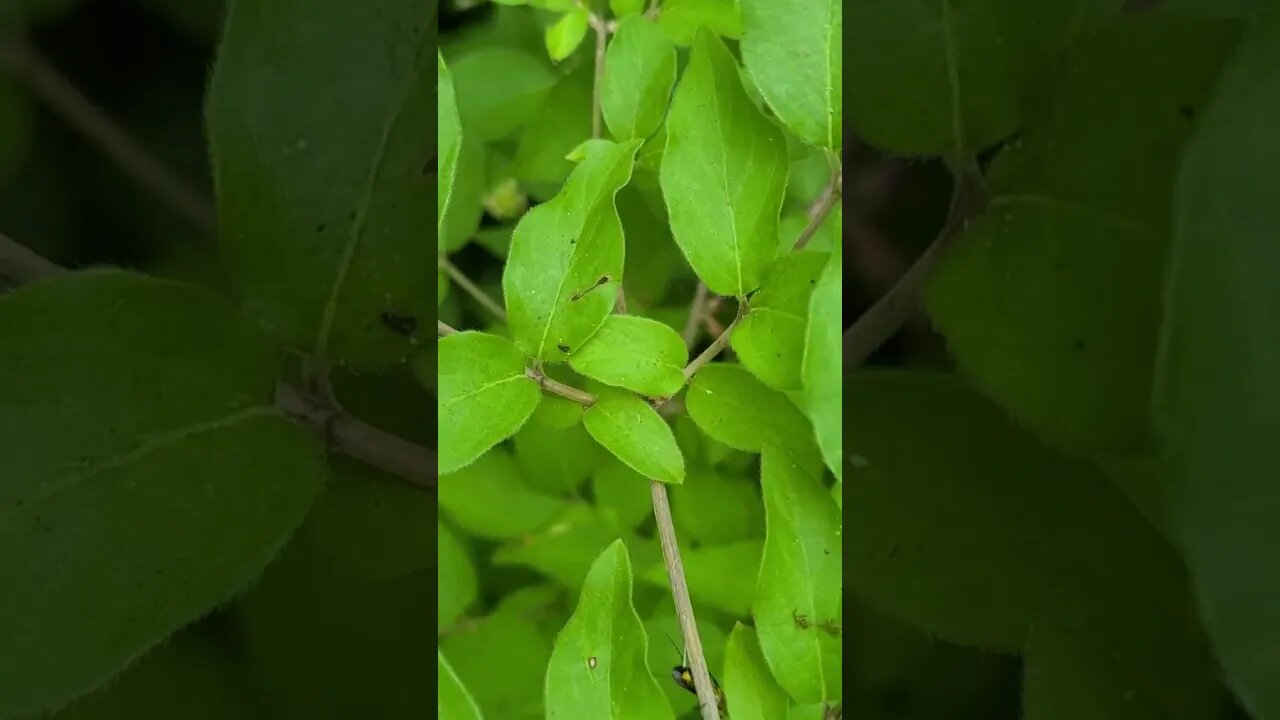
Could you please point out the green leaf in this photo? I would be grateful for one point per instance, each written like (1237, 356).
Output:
(681, 19)
(633, 431)
(967, 66)
(321, 218)
(634, 353)
(598, 667)
(565, 550)
(122, 398)
(563, 124)
(1218, 383)
(622, 8)
(189, 676)
(557, 413)
(798, 598)
(712, 509)
(500, 89)
(457, 587)
(820, 369)
(485, 396)
(722, 576)
(453, 702)
(466, 200)
(770, 340)
(729, 404)
(501, 658)
(749, 688)
(564, 266)
(654, 263)
(448, 139)
(723, 173)
(566, 34)
(490, 498)
(958, 542)
(639, 72)
(793, 52)
(625, 492)
(557, 461)
(1051, 300)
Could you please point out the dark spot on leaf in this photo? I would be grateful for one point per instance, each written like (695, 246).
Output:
(1187, 111)
(1079, 344)
(400, 324)
(802, 622)
(351, 215)
(563, 348)
(893, 551)
(320, 228)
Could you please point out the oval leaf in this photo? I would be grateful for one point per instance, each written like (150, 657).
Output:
(793, 52)
(723, 173)
(732, 406)
(633, 431)
(770, 340)
(456, 578)
(797, 609)
(634, 353)
(639, 72)
(490, 498)
(597, 667)
(567, 33)
(448, 139)
(820, 368)
(321, 218)
(749, 687)
(1218, 388)
(453, 702)
(564, 266)
(137, 425)
(485, 396)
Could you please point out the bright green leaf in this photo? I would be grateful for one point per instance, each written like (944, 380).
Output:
(947, 77)
(597, 668)
(622, 8)
(723, 173)
(501, 659)
(636, 434)
(749, 688)
(448, 139)
(1051, 300)
(635, 353)
(798, 599)
(730, 405)
(123, 398)
(490, 498)
(770, 340)
(820, 371)
(564, 265)
(321, 218)
(453, 702)
(456, 578)
(958, 542)
(566, 34)
(485, 396)
(681, 19)
(793, 51)
(639, 72)
(1218, 383)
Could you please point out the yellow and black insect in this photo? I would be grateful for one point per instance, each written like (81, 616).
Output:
(683, 675)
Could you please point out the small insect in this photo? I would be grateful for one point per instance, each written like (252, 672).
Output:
(683, 675)
(802, 621)
(578, 295)
(563, 348)
(591, 662)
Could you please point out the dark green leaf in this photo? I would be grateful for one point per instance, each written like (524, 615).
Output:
(485, 396)
(456, 577)
(639, 72)
(770, 340)
(681, 19)
(491, 499)
(557, 461)
(794, 51)
(625, 492)
(564, 266)
(1218, 384)
(711, 508)
(449, 139)
(563, 123)
(565, 550)
(122, 398)
(321, 217)
(502, 660)
(723, 173)
(722, 576)
(633, 431)
(500, 89)
(598, 668)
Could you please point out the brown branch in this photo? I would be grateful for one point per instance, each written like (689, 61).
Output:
(471, 288)
(883, 319)
(443, 329)
(680, 596)
(818, 213)
(342, 432)
(29, 66)
(581, 397)
(697, 311)
(716, 346)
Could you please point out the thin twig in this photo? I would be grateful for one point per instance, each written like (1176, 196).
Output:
(342, 432)
(716, 346)
(471, 288)
(680, 596)
(356, 439)
(602, 38)
(28, 65)
(883, 319)
(697, 311)
(442, 329)
(818, 213)
(581, 397)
